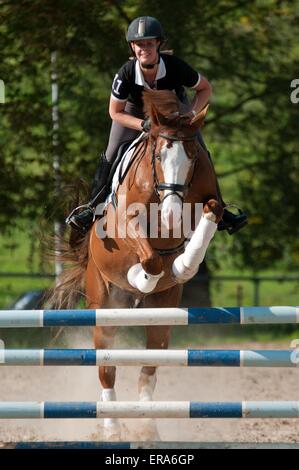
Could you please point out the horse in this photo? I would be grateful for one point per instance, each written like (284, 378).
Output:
(169, 169)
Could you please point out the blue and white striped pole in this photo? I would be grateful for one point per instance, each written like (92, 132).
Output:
(130, 409)
(149, 316)
(146, 445)
(149, 357)
(55, 445)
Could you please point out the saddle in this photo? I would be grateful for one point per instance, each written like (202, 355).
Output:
(122, 165)
(120, 153)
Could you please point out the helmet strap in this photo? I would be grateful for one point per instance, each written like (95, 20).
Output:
(150, 66)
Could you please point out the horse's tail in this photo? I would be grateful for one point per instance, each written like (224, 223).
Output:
(69, 249)
(70, 285)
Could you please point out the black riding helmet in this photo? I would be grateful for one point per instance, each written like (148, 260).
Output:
(145, 27)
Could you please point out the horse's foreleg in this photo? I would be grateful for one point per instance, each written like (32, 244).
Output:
(145, 275)
(186, 265)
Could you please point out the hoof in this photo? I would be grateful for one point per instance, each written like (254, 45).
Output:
(141, 280)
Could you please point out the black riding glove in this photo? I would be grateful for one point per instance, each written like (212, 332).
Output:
(146, 124)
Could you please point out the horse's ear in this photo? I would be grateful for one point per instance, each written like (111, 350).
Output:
(154, 117)
(198, 120)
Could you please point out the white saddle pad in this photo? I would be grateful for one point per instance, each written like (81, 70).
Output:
(122, 166)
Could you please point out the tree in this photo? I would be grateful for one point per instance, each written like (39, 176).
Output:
(247, 49)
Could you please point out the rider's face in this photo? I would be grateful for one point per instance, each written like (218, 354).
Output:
(146, 50)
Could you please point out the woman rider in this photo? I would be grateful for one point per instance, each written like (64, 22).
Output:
(149, 69)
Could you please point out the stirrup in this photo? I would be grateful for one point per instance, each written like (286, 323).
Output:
(233, 206)
(233, 227)
(78, 208)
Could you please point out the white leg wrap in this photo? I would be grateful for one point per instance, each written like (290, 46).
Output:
(141, 280)
(108, 394)
(147, 384)
(186, 265)
(111, 425)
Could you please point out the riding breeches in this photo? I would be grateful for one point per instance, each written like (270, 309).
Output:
(120, 134)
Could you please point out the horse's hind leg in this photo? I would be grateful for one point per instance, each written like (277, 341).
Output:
(103, 337)
(157, 338)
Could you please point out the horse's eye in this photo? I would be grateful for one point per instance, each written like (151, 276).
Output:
(158, 157)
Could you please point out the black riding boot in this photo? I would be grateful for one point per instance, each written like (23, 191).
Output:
(82, 222)
(230, 221)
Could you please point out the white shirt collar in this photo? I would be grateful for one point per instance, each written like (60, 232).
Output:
(139, 78)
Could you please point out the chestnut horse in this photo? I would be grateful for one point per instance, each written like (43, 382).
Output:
(134, 267)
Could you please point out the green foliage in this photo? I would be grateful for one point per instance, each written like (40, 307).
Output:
(247, 49)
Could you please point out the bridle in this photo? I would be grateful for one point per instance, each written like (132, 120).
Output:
(173, 188)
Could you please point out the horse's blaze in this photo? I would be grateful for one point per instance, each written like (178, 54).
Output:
(175, 166)
(171, 214)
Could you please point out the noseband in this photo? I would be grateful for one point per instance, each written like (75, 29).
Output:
(173, 188)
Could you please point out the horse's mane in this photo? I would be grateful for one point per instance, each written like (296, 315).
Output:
(164, 101)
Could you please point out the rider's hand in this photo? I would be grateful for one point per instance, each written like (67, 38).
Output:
(146, 124)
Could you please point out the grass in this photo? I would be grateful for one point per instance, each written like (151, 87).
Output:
(232, 293)
(19, 253)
